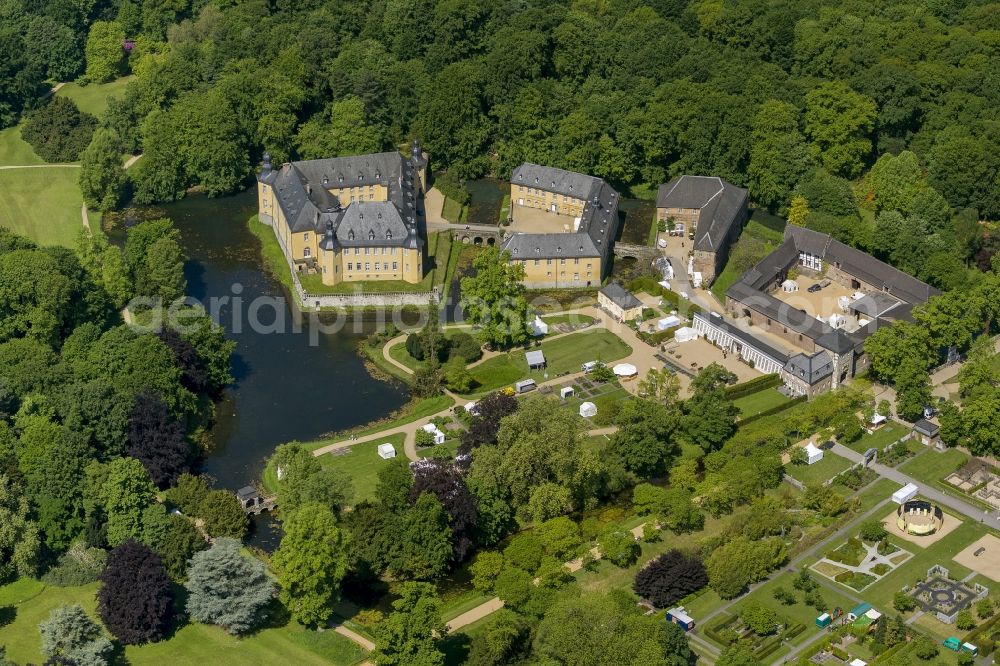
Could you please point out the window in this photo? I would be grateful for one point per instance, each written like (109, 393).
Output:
(562, 274)
(371, 235)
(576, 276)
(538, 262)
(549, 274)
(357, 251)
(305, 237)
(548, 262)
(562, 262)
(368, 266)
(589, 265)
(371, 197)
(350, 235)
(307, 253)
(350, 266)
(394, 265)
(388, 235)
(366, 251)
(577, 260)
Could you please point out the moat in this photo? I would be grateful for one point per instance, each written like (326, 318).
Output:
(286, 388)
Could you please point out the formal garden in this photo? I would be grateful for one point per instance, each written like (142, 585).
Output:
(863, 559)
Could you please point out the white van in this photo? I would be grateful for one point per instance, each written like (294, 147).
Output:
(589, 366)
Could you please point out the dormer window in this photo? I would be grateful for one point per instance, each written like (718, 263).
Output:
(340, 178)
(371, 235)
(326, 179)
(359, 177)
(388, 235)
(380, 216)
(377, 175)
(350, 235)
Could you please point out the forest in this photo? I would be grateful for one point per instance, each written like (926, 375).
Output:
(786, 98)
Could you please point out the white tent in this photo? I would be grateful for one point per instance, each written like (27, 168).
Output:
(905, 494)
(625, 370)
(588, 409)
(878, 419)
(565, 392)
(813, 453)
(789, 286)
(470, 408)
(685, 334)
(668, 322)
(836, 320)
(539, 327)
(664, 284)
(859, 662)
(844, 302)
(436, 432)
(386, 451)
(696, 279)
(858, 295)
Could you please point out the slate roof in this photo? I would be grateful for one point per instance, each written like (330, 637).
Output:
(874, 304)
(775, 264)
(812, 369)
(598, 220)
(300, 190)
(621, 296)
(720, 203)
(925, 427)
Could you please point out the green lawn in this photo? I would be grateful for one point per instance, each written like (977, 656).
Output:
(504, 208)
(564, 355)
(575, 319)
(933, 466)
(42, 204)
(93, 98)
(362, 463)
(830, 466)
(760, 401)
(881, 438)
(193, 644)
(452, 210)
(730, 273)
(15, 151)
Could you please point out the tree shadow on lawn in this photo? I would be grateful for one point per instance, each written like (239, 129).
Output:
(7, 615)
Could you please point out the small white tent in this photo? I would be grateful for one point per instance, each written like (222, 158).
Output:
(436, 432)
(386, 451)
(588, 409)
(470, 408)
(685, 334)
(696, 279)
(789, 286)
(668, 322)
(625, 370)
(905, 494)
(877, 419)
(539, 327)
(565, 392)
(813, 453)
(836, 320)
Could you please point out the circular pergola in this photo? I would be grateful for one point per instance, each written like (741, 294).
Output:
(919, 517)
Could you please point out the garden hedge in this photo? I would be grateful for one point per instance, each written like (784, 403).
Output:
(753, 386)
(774, 410)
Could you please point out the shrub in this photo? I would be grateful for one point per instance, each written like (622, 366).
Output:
(453, 187)
(77, 566)
(984, 608)
(759, 619)
(965, 621)
(59, 131)
(925, 648)
(619, 547)
(784, 596)
(872, 531)
(669, 578)
(465, 347)
(423, 438)
(414, 347)
(525, 552)
(369, 617)
(903, 602)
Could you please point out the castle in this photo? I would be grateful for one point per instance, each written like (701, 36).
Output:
(350, 219)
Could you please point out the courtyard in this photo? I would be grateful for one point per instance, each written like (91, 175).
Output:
(820, 304)
(538, 221)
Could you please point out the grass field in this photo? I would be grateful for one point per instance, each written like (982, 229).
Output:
(830, 466)
(799, 611)
(755, 403)
(15, 151)
(362, 463)
(453, 211)
(42, 204)
(564, 355)
(191, 645)
(881, 438)
(93, 98)
(933, 466)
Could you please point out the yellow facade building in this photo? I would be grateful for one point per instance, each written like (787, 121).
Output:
(564, 228)
(351, 219)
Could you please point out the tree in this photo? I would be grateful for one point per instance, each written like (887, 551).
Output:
(872, 531)
(965, 621)
(174, 538)
(597, 630)
(514, 586)
(59, 131)
(504, 640)
(124, 492)
(486, 420)
(104, 51)
(779, 156)
(709, 417)
(102, 178)
(493, 298)
(135, 601)
(644, 440)
(444, 480)
(424, 543)
(222, 515)
(105, 264)
(903, 602)
(163, 276)
(618, 547)
(924, 647)
(342, 128)
(895, 180)
(737, 654)
(156, 439)
(228, 589)
(485, 568)
(409, 634)
(679, 513)
(548, 500)
(839, 121)
(984, 608)
(659, 385)
(303, 479)
(20, 541)
(669, 578)
(311, 561)
(799, 211)
(394, 483)
(734, 565)
(524, 551)
(759, 619)
(70, 634)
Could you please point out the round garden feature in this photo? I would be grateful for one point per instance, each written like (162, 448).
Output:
(919, 517)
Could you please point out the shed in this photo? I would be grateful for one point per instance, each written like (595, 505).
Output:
(435, 432)
(668, 322)
(813, 453)
(588, 409)
(858, 611)
(789, 286)
(566, 392)
(619, 302)
(525, 385)
(539, 327)
(386, 451)
(696, 279)
(680, 617)
(535, 359)
(248, 497)
(685, 334)
(927, 432)
(905, 494)
(823, 620)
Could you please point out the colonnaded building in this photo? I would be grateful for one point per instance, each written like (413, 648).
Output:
(350, 219)
(563, 226)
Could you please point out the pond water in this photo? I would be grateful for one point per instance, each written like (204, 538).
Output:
(638, 219)
(286, 387)
(486, 198)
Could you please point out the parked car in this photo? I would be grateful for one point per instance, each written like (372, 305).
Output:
(929, 412)
(814, 288)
